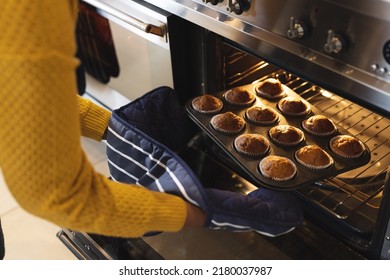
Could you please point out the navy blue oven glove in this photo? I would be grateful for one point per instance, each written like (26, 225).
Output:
(142, 139)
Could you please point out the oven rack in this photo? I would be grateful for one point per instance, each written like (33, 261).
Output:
(346, 193)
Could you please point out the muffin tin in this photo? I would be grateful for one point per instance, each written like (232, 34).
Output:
(250, 165)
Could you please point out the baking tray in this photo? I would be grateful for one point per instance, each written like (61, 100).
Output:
(304, 175)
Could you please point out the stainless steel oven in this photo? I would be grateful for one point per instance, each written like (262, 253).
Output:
(335, 55)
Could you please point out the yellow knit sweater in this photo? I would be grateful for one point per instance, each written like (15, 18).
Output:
(41, 122)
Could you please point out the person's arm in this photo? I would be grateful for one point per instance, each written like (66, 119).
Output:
(40, 152)
(93, 119)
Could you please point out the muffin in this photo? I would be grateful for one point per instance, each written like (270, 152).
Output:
(270, 88)
(286, 135)
(207, 104)
(253, 145)
(228, 123)
(294, 106)
(319, 126)
(277, 168)
(313, 157)
(239, 96)
(346, 146)
(262, 115)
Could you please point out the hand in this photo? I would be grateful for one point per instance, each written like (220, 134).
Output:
(195, 216)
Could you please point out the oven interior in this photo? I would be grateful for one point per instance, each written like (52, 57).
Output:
(351, 205)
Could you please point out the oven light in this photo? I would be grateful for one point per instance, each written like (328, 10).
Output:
(325, 93)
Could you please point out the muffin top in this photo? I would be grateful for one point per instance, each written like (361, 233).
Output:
(319, 125)
(239, 96)
(346, 146)
(251, 144)
(270, 88)
(286, 135)
(227, 122)
(261, 115)
(314, 157)
(277, 168)
(294, 106)
(207, 104)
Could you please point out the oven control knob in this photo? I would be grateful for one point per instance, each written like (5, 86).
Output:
(297, 29)
(212, 2)
(334, 42)
(238, 6)
(382, 71)
(374, 67)
(386, 51)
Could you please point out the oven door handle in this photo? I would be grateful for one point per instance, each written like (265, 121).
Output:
(108, 11)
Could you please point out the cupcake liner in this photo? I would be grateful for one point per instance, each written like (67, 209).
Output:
(210, 112)
(319, 134)
(331, 162)
(256, 122)
(268, 96)
(300, 114)
(271, 97)
(217, 110)
(228, 132)
(225, 131)
(262, 123)
(238, 104)
(289, 144)
(253, 155)
(323, 134)
(343, 155)
(262, 172)
(266, 151)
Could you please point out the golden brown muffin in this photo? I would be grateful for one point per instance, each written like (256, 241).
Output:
(294, 106)
(207, 104)
(346, 146)
(227, 123)
(239, 96)
(263, 115)
(251, 144)
(270, 88)
(277, 168)
(314, 157)
(286, 135)
(319, 125)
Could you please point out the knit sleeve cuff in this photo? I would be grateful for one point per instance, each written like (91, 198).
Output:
(171, 216)
(94, 119)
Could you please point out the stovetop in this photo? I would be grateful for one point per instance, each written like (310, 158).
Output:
(339, 45)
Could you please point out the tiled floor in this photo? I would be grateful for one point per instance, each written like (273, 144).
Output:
(30, 238)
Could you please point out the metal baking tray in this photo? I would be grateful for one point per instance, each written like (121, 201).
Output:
(304, 175)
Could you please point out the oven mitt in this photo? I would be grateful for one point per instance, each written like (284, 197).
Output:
(142, 139)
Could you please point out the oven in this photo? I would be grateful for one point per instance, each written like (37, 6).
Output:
(333, 54)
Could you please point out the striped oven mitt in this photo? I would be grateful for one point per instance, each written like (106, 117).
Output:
(141, 140)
